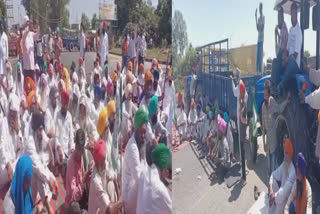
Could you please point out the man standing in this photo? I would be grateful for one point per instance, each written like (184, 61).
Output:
(134, 162)
(58, 45)
(270, 110)
(242, 98)
(104, 49)
(28, 48)
(125, 50)
(82, 41)
(4, 50)
(281, 181)
(260, 28)
(142, 48)
(132, 50)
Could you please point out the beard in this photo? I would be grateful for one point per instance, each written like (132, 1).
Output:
(299, 189)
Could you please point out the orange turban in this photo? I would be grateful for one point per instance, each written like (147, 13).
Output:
(319, 117)
(29, 84)
(30, 97)
(114, 76)
(288, 147)
(141, 67)
(193, 103)
(129, 66)
(242, 87)
(148, 76)
(111, 107)
(99, 151)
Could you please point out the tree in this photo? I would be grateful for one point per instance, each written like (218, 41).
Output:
(94, 22)
(3, 14)
(306, 54)
(165, 13)
(85, 21)
(179, 36)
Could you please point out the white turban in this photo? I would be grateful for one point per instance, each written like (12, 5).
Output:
(14, 103)
(75, 77)
(238, 72)
(25, 19)
(128, 90)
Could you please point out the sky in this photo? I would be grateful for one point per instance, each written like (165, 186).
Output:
(76, 8)
(212, 20)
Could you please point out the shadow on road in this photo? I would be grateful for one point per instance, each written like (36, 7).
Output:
(235, 192)
(260, 168)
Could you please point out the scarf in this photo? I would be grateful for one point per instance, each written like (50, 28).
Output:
(301, 203)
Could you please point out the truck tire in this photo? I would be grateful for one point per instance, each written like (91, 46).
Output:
(292, 123)
(253, 143)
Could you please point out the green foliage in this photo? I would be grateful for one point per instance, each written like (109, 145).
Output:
(184, 66)
(179, 36)
(140, 15)
(85, 21)
(94, 22)
(48, 12)
(3, 14)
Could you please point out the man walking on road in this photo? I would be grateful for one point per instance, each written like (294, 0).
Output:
(242, 98)
(104, 49)
(142, 48)
(82, 42)
(132, 50)
(4, 50)
(260, 28)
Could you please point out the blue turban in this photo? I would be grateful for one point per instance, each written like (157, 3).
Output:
(302, 164)
(226, 117)
(21, 200)
(98, 92)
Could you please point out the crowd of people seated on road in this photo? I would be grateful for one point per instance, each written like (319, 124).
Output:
(85, 140)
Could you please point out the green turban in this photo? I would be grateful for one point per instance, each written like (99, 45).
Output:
(140, 118)
(105, 67)
(213, 109)
(45, 67)
(18, 65)
(160, 156)
(153, 105)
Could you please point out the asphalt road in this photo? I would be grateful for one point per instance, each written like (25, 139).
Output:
(195, 192)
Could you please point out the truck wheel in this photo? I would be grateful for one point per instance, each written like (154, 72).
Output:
(253, 143)
(292, 123)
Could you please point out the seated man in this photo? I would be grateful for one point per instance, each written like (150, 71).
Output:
(222, 159)
(201, 117)
(181, 119)
(300, 199)
(77, 179)
(192, 120)
(281, 181)
(153, 195)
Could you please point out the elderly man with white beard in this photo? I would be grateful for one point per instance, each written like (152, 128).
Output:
(11, 142)
(281, 181)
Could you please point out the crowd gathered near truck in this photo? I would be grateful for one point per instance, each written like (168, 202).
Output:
(218, 112)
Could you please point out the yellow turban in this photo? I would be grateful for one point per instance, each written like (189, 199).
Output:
(114, 76)
(111, 107)
(66, 78)
(102, 120)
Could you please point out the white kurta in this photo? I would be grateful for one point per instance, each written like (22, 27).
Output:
(104, 49)
(82, 44)
(131, 172)
(4, 53)
(64, 132)
(11, 148)
(192, 119)
(182, 118)
(282, 193)
(153, 196)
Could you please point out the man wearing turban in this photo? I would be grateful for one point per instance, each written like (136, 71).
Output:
(147, 92)
(134, 162)
(128, 111)
(150, 201)
(300, 198)
(64, 134)
(99, 197)
(138, 87)
(181, 118)
(192, 120)
(11, 141)
(242, 98)
(97, 105)
(40, 149)
(51, 112)
(104, 47)
(4, 50)
(281, 181)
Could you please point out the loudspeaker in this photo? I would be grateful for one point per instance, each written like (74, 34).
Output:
(305, 8)
(316, 17)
